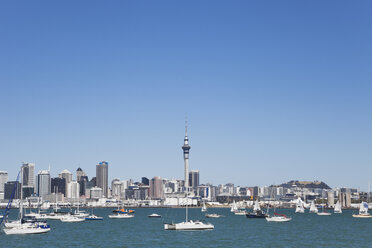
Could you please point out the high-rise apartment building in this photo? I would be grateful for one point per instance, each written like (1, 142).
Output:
(28, 175)
(102, 177)
(194, 178)
(43, 183)
(156, 190)
(73, 190)
(3, 180)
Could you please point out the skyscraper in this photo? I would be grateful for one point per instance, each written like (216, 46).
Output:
(79, 173)
(58, 185)
(73, 190)
(194, 178)
(3, 180)
(156, 188)
(43, 183)
(186, 149)
(68, 178)
(102, 177)
(28, 177)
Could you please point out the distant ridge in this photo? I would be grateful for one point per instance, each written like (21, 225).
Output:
(305, 184)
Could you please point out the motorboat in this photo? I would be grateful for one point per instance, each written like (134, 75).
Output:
(121, 216)
(71, 218)
(154, 215)
(240, 212)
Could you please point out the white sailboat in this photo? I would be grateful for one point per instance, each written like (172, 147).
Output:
(204, 208)
(313, 208)
(323, 213)
(363, 211)
(300, 206)
(234, 208)
(189, 224)
(338, 209)
(93, 216)
(277, 217)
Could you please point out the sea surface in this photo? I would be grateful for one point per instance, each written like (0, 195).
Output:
(305, 230)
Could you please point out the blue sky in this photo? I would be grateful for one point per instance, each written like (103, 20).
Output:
(274, 90)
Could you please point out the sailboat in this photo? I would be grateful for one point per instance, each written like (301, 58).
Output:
(257, 213)
(93, 216)
(204, 208)
(323, 213)
(234, 208)
(277, 217)
(313, 208)
(363, 211)
(121, 214)
(21, 226)
(189, 224)
(338, 209)
(300, 206)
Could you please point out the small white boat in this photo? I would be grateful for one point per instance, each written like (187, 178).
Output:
(278, 218)
(71, 219)
(234, 208)
(213, 216)
(204, 208)
(363, 211)
(189, 225)
(93, 217)
(154, 215)
(324, 213)
(120, 216)
(338, 209)
(313, 208)
(300, 206)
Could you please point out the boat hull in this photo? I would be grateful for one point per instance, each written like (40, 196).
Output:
(278, 219)
(361, 216)
(122, 216)
(189, 226)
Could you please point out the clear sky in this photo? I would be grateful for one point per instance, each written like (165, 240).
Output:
(273, 90)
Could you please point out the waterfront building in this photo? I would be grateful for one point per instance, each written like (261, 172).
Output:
(156, 190)
(116, 188)
(186, 150)
(73, 190)
(9, 187)
(194, 178)
(43, 183)
(102, 177)
(58, 184)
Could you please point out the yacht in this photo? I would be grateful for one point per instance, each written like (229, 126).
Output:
(313, 208)
(257, 213)
(338, 209)
(93, 217)
(71, 218)
(363, 211)
(278, 218)
(300, 206)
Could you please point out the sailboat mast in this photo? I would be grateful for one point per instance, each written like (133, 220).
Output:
(21, 200)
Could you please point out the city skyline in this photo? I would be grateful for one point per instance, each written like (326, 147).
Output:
(279, 87)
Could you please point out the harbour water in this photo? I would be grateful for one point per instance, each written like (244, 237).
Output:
(305, 230)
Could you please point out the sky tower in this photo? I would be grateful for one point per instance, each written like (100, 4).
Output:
(186, 149)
